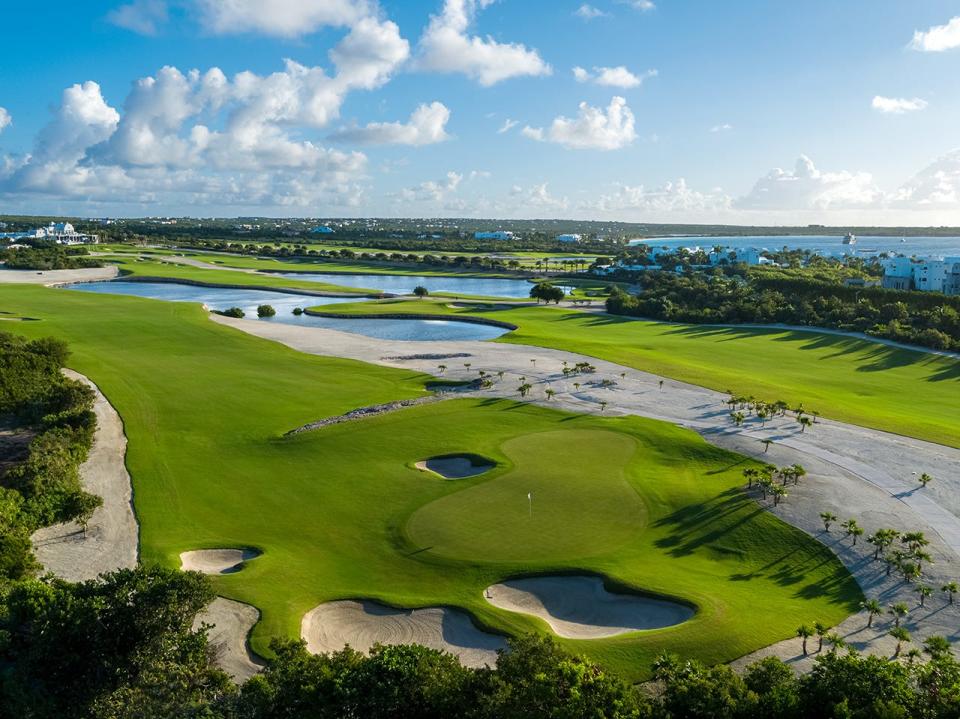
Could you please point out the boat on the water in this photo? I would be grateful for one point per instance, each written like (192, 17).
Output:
(850, 239)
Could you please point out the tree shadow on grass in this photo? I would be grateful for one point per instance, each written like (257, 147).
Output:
(705, 523)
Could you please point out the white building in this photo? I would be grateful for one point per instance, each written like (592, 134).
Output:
(928, 274)
(569, 238)
(498, 235)
(745, 255)
(63, 233)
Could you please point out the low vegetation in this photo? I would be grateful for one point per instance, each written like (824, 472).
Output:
(52, 257)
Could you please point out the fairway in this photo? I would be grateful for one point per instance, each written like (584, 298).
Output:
(575, 478)
(844, 378)
(342, 512)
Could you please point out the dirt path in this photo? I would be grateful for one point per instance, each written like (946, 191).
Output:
(110, 542)
(853, 471)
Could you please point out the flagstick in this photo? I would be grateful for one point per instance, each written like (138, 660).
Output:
(530, 502)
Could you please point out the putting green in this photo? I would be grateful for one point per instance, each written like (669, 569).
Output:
(205, 409)
(576, 509)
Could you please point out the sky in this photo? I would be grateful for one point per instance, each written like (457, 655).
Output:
(685, 111)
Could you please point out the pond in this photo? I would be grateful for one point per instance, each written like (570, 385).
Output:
(404, 284)
(217, 298)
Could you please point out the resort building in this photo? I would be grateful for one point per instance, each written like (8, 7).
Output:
(569, 238)
(498, 235)
(63, 233)
(929, 274)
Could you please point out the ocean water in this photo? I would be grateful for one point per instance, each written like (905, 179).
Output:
(822, 244)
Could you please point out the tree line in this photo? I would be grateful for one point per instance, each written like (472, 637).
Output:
(924, 319)
(47, 256)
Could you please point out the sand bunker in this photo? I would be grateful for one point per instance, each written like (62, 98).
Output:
(581, 608)
(456, 466)
(216, 561)
(232, 622)
(331, 626)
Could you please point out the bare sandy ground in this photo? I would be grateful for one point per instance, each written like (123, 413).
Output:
(854, 471)
(582, 608)
(361, 624)
(232, 622)
(110, 542)
(216, 561)
(453, 467)
(57, 277)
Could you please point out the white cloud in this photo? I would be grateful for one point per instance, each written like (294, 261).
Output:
(589, 12)
(938, 38)
(618, 76)
(446, 47)
(507, 125)
(641, 5)
(282, 18)
(593, 128)
(897, 105)
(669, 198)
(427, 126)
(5, 118)
(432, 190)
(140, 16)
(725, 127)
(936, 186)
(807, 188)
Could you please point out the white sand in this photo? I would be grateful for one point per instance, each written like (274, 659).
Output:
(216, 561)
(57, 277)
(453, 467)
(232, 622)
(361, 624)
(582, 608)
(110, 542)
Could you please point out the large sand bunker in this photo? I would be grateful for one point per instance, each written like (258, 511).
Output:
(216, 561)
(456, 466)
(361, 624)
(580, 607)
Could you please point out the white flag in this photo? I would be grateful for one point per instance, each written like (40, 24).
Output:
(529, 495)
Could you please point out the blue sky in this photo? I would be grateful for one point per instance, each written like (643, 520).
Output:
(692, 111)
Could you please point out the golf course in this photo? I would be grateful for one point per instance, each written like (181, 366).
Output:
(344, 513)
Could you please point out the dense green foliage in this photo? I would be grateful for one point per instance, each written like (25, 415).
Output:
(112, 648)
(547, 293)
(43, 486)
(50, 257)
(914, 317)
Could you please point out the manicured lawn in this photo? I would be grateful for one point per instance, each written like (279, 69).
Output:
(848, 379)
(342, 512)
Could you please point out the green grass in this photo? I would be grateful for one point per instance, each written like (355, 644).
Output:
(342, 513)
(848, 379)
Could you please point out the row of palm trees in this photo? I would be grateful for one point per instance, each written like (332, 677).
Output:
(742, 407)
(934, 646)
(766, 477)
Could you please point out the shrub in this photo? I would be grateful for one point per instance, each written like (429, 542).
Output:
(298, 311)
(232, 312)
(266, 311)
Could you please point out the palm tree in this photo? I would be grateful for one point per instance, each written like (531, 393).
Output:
(835, 641)
(914, 540)
(737, 418)
(816, 416)
(468, 365)
(899, 611)
(778, 494)
(821, 629)
(872, 608)
(661, 385)
(442, 368)
(750, 474)
(500, 374)
(901, 635)
(828, 519)
(804, 632)
(524, 389)
(534, 363)
(951, 588)
(766, 445)
(576, 386)
(925, 479)
(881, 539)
(910, 571)
(936, 646)
(549, 392)
(804, 423)
(924, 591)
(913, 655)
(852, 529)
(603, 405)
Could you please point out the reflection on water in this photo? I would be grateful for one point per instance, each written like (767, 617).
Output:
(224, 298)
